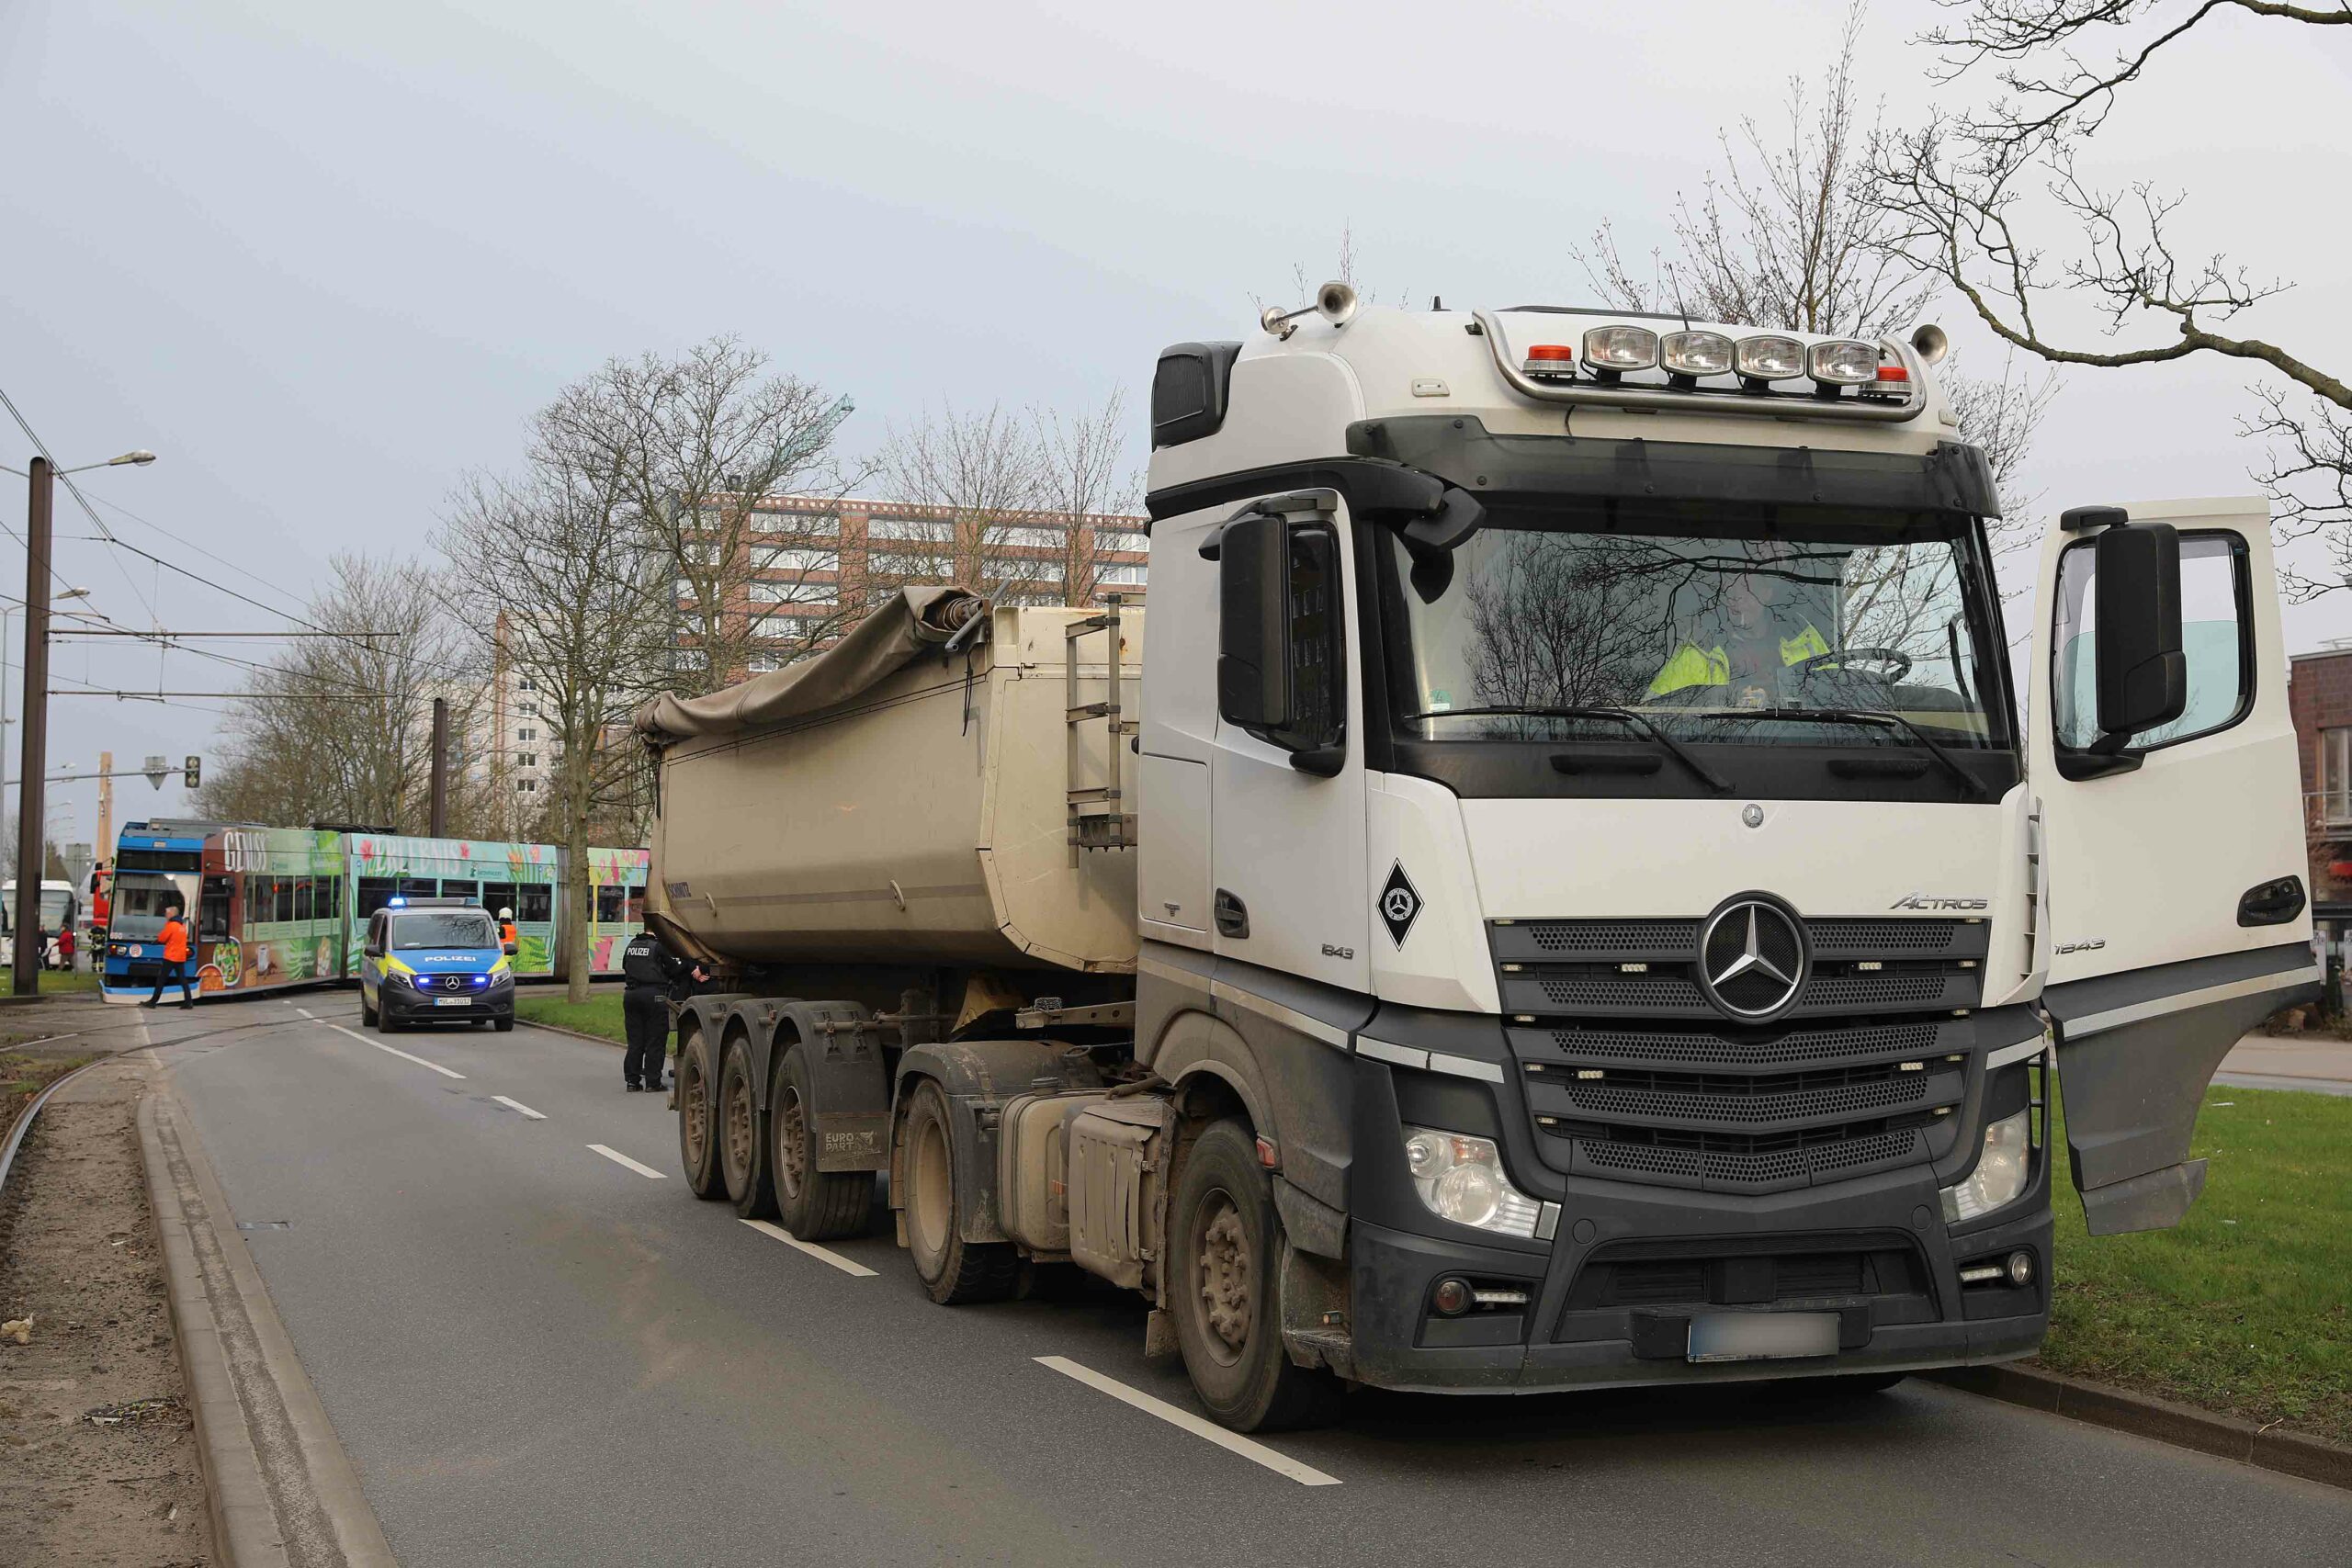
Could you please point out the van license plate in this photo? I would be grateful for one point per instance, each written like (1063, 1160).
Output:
(1762, 1336)
(452, 1001)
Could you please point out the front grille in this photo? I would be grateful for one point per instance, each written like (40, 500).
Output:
(1634, 1074)
(1666, 992)
(1758, 1272)
(1797, 1048)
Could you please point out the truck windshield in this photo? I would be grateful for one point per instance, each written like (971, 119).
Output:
(442, 928)
(1711, 629)
(141, 899)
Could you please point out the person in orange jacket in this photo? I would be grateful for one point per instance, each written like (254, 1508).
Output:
(506, 927)
(174, 941)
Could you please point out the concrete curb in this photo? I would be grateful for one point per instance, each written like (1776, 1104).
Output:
(2288, 1453)
(244, 1530)
(575, 1033)
(280, 1487)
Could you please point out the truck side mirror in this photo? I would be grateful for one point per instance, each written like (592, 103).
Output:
(1253, 624)
(1281, 654)
(2142, 674)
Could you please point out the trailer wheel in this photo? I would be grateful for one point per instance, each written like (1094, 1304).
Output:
(742, 1140)
(1223, 1237)
(953, 1270)
(697, 1100)
(815, 1205)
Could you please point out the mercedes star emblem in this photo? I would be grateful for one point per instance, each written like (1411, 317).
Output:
(1751, 958)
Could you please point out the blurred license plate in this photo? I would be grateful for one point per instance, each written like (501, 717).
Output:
(452, 1001)
(1762, 1336)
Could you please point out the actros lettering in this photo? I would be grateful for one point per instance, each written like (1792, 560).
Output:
(1921, 901)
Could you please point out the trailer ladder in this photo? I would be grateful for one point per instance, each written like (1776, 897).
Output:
(1098, 817)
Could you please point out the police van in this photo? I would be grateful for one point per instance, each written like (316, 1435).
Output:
(434, 961)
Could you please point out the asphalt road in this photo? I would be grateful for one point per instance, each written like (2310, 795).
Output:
(535, 1354)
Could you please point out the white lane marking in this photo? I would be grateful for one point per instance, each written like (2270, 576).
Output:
(766, 1228)
(619, 1158)
(305, 1013)
(1232, 1442)
(403, 1055)
(518, 1105)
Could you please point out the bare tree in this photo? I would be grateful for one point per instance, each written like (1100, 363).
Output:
(556, 561)
(698, 447)
(1963, 192)
(1084, 472)
(339, 728)
(976, 483)
(1303, 285)
(1783, 237)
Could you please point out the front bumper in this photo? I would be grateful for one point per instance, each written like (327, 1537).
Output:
(407, 1006)
(1610, 1298)
(1398, 1343)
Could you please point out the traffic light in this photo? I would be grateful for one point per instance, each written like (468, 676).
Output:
(192, 771)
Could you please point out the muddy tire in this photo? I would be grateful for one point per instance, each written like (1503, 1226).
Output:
(953, 1270)
(743, 1136)
(813, 1204)
(698, 1115)
(1224, 1243)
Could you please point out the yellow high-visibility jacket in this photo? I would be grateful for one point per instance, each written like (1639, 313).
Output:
(1694, 666)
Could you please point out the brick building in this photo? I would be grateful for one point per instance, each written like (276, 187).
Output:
(2319, 696)
(806, 568)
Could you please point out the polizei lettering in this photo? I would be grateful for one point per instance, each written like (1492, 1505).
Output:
(1921, 901)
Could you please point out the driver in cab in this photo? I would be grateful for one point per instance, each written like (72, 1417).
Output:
(1755, 642)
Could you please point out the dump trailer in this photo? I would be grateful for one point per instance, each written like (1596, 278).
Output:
(1563, 889)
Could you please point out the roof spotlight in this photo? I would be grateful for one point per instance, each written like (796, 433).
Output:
(1620, 348)
(1692, 355)
(1842, 362)
(1769, 358)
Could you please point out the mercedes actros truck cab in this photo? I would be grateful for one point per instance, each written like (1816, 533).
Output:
(1607, 907)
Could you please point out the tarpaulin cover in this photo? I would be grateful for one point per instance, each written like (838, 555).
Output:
(910, 622)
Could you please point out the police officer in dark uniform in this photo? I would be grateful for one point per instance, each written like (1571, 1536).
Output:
(651, 970)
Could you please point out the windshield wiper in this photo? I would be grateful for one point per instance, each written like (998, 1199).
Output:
(1625, 717)
(1952, 764)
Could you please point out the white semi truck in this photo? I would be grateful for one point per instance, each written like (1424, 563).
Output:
(1565, 891)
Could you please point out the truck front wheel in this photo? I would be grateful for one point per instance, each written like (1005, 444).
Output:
(697, 1100)
(1224, 1244)
(816, 1205)
(953, 1270)
(742, 1140)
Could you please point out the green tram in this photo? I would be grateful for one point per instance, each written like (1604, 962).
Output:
(272, 907)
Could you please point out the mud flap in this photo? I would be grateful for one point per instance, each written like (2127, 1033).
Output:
(2136, 1051)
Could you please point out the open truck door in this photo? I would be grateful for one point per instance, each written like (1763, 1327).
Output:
(2175, 917)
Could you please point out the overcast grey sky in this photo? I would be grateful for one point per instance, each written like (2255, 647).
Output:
(321, 258)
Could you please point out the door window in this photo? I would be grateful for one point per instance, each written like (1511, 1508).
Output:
(375, 892)
(212, 911)
(2216, 636)
(537, 903)
(609, 899)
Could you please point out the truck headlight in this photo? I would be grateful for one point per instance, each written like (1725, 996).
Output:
(1461, 1179)
(2000, 1174)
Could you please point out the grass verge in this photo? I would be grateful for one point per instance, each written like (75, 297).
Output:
(597, 1015)
(21, 1077)
(2243, 1308)
(60, 980)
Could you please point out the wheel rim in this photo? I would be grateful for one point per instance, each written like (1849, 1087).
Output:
(1222, 1250)
(931, 1201)
(694, 1104)
(735, 1104)
(791, 1141)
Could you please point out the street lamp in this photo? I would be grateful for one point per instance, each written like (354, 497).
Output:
(41, 487)
(140, 458)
